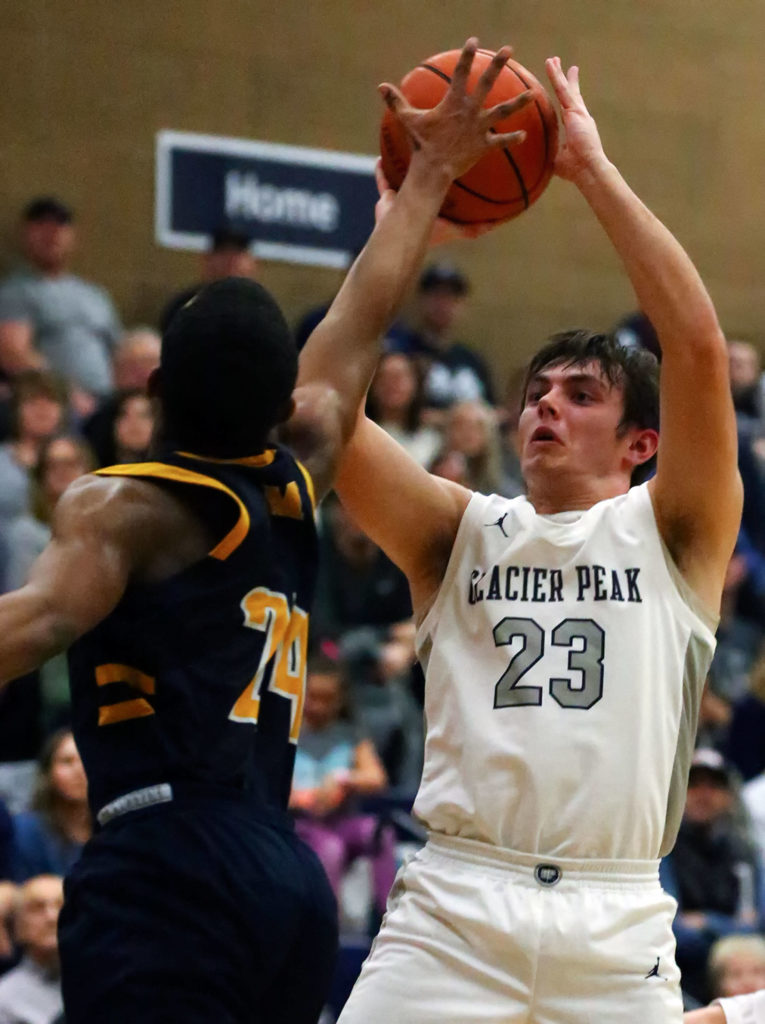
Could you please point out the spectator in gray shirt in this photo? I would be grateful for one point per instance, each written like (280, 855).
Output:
(49, 317)
(31, 992)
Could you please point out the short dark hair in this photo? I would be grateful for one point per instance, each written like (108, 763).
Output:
(635, 370)
(227, 369)
(47, 208)
(444, 275)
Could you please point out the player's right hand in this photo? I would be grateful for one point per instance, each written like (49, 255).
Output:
(457, 132)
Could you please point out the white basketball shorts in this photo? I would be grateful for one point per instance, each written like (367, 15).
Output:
(476, 934)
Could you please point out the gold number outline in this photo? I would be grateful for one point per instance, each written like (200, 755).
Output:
(284, 650)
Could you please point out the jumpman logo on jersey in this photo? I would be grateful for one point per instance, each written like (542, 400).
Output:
(654, 972)
(500, 523)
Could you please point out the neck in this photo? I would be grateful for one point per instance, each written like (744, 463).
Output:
(561, 494)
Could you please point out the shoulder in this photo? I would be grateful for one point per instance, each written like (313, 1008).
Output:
(131, 514)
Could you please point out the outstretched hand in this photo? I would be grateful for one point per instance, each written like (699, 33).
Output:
(443, 230)
(458, 131)
(582, 146)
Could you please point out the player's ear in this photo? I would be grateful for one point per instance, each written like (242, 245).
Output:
(643, 446)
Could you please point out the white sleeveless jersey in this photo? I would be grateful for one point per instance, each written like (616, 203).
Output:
(564, 659)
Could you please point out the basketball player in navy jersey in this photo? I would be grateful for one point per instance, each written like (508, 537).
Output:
(181, 587)
(565, 637)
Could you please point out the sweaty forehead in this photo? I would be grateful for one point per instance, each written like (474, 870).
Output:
(579, 373)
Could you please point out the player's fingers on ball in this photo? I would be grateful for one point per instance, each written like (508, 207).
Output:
(464, 64)
(503, 110)
(491, 73)
(394, 100)
(558, 80)
(383, 185)
(497, 141)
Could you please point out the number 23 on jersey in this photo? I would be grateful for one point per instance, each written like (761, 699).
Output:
(283, 658)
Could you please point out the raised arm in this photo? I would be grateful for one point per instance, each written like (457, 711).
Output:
(339, 358)
(696, 491)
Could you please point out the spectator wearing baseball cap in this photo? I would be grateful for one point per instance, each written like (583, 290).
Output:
(713, 871)
(49, 318)
(453, 371)
(228, 254)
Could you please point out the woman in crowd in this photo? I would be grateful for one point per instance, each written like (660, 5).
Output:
(396, 399)
(61, 461)
(335, 765)
(38, 410)
(473, 433)
(131, 430)
(49, 837)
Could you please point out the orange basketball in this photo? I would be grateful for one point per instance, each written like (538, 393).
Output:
(504, 182)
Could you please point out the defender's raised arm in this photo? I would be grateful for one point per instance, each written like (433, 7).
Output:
(339, 358)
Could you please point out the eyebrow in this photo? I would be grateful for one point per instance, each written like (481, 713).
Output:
(574, 378)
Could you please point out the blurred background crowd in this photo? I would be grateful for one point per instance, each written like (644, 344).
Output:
(73, 397)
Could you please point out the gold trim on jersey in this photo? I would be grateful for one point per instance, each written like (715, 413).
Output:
(123, 710)
(264, 458)
(162, 471)
(308, 482)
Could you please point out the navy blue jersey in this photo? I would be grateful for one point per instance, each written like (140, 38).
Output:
(201, 677)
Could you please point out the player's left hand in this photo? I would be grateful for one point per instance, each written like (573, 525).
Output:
(443, 230)
(582, 148)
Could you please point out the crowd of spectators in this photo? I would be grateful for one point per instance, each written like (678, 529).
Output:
(72, 398)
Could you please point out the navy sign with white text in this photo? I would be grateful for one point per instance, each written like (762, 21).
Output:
(302, 205)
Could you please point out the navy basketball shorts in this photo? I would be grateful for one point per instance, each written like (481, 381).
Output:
(196, 911)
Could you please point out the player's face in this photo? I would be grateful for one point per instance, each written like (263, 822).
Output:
(67, 774)
(569, 427)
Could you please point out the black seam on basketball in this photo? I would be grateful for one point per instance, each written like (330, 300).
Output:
(487, 220)
(544, 127)
(518, 175)
(437, 71)
(488, 199)
(508, 156)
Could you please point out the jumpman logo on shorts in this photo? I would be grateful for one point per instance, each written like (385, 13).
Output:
(500, 523)
(654, 972)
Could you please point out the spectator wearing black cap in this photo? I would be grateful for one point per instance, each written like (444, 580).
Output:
(51, 318)
(229, 254)
(712, 872)
(453, 371)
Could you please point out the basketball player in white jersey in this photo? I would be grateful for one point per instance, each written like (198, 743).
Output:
(565, 637)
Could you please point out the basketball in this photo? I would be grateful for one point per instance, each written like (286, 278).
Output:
(505, 181)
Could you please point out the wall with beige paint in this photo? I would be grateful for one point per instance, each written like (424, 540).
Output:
(677, 87)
